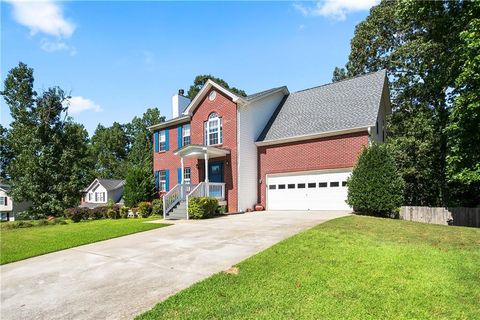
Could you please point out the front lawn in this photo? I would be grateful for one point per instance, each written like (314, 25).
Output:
(349, 268)
(22, 243)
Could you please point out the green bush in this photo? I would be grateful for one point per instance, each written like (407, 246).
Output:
(113, 214)
(23, 215)
(202, 208)
(77, 214)
(42, 222)
(157, 207)
(145, 209)
(375, 187)
(124, 212)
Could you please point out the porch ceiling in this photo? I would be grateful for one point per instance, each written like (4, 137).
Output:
(199, 151)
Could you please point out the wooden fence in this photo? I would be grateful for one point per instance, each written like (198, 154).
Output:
(468, 217)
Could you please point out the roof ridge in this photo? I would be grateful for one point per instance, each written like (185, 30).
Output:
(343, 80)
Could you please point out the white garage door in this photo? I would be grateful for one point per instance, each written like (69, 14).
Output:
(308, 191)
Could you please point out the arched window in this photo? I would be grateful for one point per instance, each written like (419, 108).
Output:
(213, 130)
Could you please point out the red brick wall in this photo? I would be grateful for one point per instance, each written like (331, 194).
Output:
(227, 110)
(316, 154)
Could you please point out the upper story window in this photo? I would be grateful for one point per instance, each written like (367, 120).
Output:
(162, 145)
(99, 196)
(186, 134)
(213, 130)
(3, 201)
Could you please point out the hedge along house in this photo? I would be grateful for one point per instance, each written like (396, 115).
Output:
(285, 151)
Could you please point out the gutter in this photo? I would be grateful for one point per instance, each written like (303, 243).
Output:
(312, 136)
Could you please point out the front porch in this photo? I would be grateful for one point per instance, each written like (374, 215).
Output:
(175, 201)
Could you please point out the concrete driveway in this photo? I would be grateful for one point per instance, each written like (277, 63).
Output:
(122, 277)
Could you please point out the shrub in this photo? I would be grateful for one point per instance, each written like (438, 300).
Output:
(145, 209)
(112, 214)
(23, 215)
(157, 207)
(202, 208)
(42, 222)
(77, 214)
(375, 187)
(124, 212)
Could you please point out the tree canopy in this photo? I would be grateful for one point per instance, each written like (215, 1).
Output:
(430, 50)
(201, 79)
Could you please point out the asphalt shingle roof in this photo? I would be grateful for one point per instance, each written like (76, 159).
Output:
(262, 93)
(111, 184)
(351, 103)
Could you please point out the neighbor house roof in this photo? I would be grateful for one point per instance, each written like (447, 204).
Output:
(264, 93)
(348, 104)
(5, 187)
(108, 184)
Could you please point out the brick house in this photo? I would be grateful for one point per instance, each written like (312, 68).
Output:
(285, 151)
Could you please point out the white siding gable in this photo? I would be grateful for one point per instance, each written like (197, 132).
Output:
(251, 120)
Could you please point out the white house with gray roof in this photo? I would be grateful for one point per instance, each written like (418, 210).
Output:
(100, 191)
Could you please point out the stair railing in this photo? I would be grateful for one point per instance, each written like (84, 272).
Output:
(175, 195)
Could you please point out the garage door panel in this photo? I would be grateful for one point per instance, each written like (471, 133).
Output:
(308, 191)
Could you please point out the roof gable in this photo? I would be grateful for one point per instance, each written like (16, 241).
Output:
(108, 184)
(344, 105)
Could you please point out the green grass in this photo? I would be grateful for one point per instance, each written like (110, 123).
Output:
(22, 243)
(349, 268)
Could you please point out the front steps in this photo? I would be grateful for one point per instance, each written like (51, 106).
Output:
(179, 212)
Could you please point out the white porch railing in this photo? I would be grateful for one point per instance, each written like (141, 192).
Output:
(175, 195)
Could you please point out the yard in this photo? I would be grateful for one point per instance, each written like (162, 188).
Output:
(22, 243)
(354, 267)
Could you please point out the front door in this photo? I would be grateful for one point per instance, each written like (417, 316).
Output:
(215, 172)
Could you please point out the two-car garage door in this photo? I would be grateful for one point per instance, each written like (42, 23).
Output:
(325, 190)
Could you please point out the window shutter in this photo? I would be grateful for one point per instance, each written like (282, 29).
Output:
(179, 139)
(167, 180)
(179, 175)
(6, 201)
(166, 139)
(155, 140)
(156, 181)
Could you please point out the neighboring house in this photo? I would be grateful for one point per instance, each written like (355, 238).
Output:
(8, 207)
(100, 191)
(286, 151)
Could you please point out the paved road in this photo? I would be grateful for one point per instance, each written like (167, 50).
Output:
(122, 277)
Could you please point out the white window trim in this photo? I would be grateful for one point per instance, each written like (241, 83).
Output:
(184, 135)
(185, 179)
(2, 201)
(219, 129)
(162, 183)
(162, 139)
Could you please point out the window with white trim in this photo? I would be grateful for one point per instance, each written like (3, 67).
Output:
(99, 196)
(162, 180)
(186, 135)
(187, 175)
(162, 145)
(213, 130)
(3, 201)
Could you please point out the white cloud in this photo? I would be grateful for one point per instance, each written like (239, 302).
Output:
(52, 46)
(336, 9)
(79, 104)
(42, 16)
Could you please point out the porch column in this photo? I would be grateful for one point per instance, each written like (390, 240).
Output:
(182, 181)
(183, 171)
(206, 174)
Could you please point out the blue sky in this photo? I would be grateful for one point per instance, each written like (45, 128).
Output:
(118, 58)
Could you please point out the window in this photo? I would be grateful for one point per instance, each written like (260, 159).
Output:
(3, 201)
(162, 145)
(162, 179)
(272, 187)
(281, 186)
(334, 184)
(312, 184)
(99, 196)
(186, 134)
(291, 186)
(322, 184)
(344, 183)
(89, 196)
(213, 130)
(301, 185)
(186, 175)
